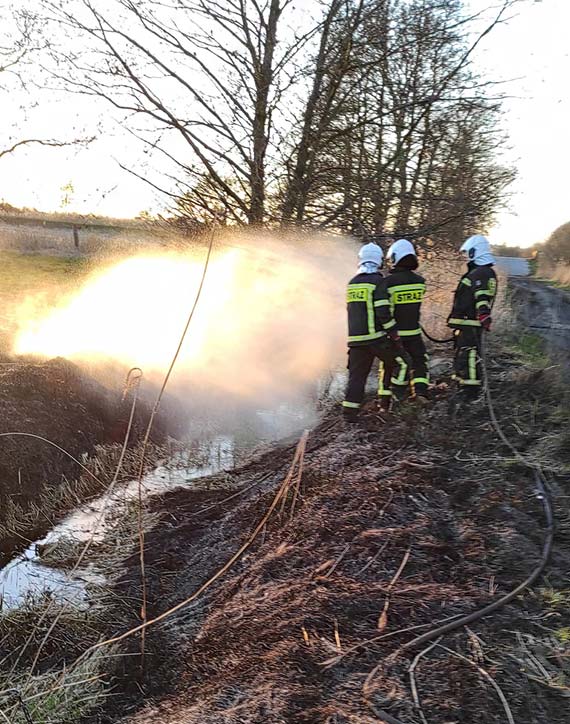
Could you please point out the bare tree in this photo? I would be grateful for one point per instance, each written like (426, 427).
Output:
(21, 44)
(410, 110)
(332, 65)
(372, 111)
(206, 77)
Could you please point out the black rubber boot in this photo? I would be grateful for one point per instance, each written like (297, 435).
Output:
(349, 414)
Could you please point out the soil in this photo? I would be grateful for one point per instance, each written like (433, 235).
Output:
(402, 520)
(55, 400)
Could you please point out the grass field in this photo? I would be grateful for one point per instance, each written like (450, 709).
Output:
(31, 280)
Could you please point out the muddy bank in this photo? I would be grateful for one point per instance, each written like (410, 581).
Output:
(54, 400)
(291, 633)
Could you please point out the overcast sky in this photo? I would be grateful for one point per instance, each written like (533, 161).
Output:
(531, 52)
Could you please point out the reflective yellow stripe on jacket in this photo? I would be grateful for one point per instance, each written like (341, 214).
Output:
(364, 294)
(407, 293)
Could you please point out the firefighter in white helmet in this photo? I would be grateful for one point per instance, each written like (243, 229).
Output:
(371, 327)
(406, 290)
(471, 313)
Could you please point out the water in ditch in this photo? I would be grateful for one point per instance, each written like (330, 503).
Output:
(28, 575)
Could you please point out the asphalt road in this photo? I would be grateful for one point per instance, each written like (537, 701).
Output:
(513, 266)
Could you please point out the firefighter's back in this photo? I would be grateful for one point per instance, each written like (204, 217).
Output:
(360, 298)
(406, 289)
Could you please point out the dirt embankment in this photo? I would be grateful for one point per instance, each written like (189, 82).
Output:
(399, 522)
(53, 400)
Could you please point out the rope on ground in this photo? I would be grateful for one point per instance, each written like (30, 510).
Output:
(133, 379)
(542, 495)
(58, 447)
(147, 438)
(283, 490)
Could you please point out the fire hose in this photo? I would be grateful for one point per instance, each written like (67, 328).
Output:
(433, 339)
(541, 495)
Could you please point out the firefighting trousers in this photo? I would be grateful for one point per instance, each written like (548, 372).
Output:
(413, 371)
(360, 361)
(467, 361)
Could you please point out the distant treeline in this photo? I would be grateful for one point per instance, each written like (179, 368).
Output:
(515, 251)
(557, 246)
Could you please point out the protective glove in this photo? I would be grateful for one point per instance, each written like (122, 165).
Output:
(486, 321)
(396, 339)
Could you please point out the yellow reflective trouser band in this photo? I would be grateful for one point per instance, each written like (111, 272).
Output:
(472, 365)
(464, 322)
(366, 337)
(425, 380)
(390, 324)
(409, 332)
(382, 303)
(401, 378)
(385, 393)
(484, 292)
(482, 303)
(352, 405)
(380, 378)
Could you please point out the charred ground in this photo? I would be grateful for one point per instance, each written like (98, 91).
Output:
(55, 400)
(307, 626)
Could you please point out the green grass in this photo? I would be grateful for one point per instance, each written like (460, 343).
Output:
(23, 274)
(531, 347)
(553, 283)
(533, 266)
(27, 276)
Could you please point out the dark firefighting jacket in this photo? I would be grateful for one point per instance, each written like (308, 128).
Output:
(368, 306)
(475, 295)
(406, 291)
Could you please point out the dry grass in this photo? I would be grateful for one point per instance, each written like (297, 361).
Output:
(557, 272)
(49, 699)
(50, 503)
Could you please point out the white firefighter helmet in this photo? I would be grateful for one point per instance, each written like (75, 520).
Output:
(399, 250)
(371, 253)
(478, 250)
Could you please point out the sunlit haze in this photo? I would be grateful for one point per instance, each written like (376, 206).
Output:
(257, 330)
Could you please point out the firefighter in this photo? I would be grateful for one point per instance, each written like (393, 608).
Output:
(406, 291)
(471, 314)
(371, 327)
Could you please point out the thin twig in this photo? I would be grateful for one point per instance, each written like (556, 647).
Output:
(382, 621)
(282, 491)
(489, 678)
(297, 482)
(338, 560)
(411, 672)
(374, 557)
